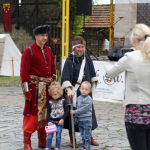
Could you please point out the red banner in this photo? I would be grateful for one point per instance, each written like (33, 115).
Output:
(55, 41)
(6, 17)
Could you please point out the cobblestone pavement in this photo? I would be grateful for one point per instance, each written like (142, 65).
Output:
(110, 117)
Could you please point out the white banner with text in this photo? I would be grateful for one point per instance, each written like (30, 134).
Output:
(111, 88)
(107, 87)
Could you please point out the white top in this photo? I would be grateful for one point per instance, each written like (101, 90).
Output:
(137, 77)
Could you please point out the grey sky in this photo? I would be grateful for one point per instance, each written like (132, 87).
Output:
(104, 1)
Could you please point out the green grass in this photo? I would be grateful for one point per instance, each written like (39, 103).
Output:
(59, 79)
(4, 79)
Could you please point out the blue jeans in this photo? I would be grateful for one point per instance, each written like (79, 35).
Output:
(58, 136)
(85, 128)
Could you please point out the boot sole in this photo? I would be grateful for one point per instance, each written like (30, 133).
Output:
(95, 145)
(72, 146)
(41, 146)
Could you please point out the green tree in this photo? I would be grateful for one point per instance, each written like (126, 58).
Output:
(75, 22)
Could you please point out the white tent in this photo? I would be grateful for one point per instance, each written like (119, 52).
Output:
(8, 49)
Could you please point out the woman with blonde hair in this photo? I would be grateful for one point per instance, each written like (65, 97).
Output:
(136, 65)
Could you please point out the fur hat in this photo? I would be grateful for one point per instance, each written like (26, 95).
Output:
(41, 30)
(78, 40)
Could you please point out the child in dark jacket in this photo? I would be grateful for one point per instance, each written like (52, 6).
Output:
(83, 114)
(56, 113)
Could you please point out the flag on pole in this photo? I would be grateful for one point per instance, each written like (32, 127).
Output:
(6, 17)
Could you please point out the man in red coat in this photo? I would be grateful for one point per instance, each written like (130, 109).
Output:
(37, 68)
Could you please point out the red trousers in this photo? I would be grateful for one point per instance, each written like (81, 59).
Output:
(30, 124)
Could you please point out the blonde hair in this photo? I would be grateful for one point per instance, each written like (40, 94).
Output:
(139, 32)
(87, 84)
(55, 86)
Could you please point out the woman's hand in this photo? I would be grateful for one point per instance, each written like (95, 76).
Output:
(60, 122)
(69, 92)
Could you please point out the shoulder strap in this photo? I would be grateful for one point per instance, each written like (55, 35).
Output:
(50, 49)
(75, 88)
(31, 53)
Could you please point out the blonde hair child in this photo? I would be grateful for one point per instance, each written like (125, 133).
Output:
(55, 87)
(56, 113)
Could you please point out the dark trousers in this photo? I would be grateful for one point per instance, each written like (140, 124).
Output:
(138, 136)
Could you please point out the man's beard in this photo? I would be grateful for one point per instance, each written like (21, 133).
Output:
(80, 54)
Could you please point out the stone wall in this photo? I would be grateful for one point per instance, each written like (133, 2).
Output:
(92, 38)
(23, 37)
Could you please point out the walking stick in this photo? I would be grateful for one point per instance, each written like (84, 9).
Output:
(73, 133)
(72, 122)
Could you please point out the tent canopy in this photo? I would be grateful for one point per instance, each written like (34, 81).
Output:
(8, 49)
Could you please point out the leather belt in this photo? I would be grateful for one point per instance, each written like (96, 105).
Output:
(34, 82)
(76, 83)
(33, 79)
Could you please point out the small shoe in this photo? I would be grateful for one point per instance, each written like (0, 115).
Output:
(82, 148)
(71, 144)
(57, 148)
(93, 142)
(41, 146)
(46, 149)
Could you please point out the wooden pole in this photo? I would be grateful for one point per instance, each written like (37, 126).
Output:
(55, 65)
(65, 28)
(111, 25)
(12, 69)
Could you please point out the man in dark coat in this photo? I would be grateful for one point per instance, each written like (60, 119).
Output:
(37, 67)
(70, 76)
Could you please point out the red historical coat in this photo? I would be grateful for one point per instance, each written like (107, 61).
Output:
(35, 65)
